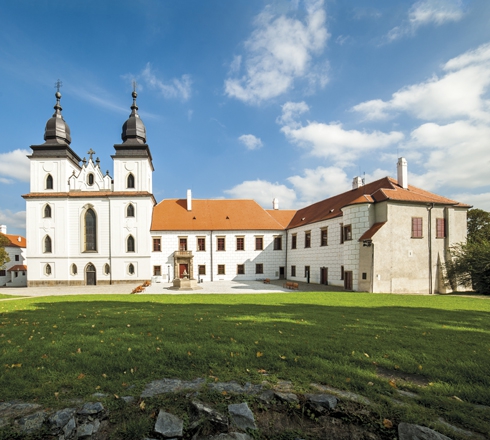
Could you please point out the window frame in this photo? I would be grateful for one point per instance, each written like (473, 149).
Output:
(293, 270)
(221, 244)
(347, 233)
(130, 210)
(440, 227)
(157, 271)
(324, 236)
(240, 243)
(417, 227)
(240, 269)
(307, 239)
(307, 271)
(294, 241)
(130, 181)
(278, 243)
(47, 211)
(49, 182)
(259, 239)
(183, 244)
(199, 247)
(130, 244)
(203, 267)
(47, 245)
(90, 237)
(259, 268)
(221, 269)
(157, 244)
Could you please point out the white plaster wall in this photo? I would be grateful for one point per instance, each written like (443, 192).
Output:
(60, 170)
(20, 280)
(141, 170)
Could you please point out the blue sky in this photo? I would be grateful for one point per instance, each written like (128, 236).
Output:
(252, 98)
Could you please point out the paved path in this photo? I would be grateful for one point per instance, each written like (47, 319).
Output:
(220, 287)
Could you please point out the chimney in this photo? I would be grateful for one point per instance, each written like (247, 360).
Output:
(402, 172)
(189, 200)
(275, 203)
(3, 229)
(357, 182)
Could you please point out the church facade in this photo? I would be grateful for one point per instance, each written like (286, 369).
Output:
(85, 227)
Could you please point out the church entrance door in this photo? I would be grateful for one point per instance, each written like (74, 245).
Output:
(183, 268)
(90, 275)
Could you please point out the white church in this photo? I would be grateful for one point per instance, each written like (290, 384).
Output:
(85, 227)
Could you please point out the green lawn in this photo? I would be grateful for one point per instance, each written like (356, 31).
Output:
(68, 347)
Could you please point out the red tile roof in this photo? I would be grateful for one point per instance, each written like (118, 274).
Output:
(15, 240)
(283, 216)
(369, 234)
(17, 267)
(215, 215)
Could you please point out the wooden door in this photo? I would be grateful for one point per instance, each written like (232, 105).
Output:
(91, 275)
(324, 275)
(281, 273)
(348, 280)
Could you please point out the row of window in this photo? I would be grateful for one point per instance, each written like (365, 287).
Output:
(90, 181)
(220, 243)
(417, 231)
(47, 212)
(90, 243)
(48, 270)
(345, 234)
(221, 269)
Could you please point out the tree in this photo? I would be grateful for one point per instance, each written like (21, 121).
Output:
(478, 226)
(4, 256)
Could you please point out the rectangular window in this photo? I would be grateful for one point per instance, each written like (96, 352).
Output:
(201, 244)
(364, 276)
(294, 239)
(324, 237)
(201, 269)
(341, 233)
(307, 239)
(347, 232)
(440, 228)
(220, 243)
(259, 243)
(182, 243)
(307, 271)
(240, 269)
(341, 272)
(293, 271)
(157, 271)
(221, 269)
(259, 268)
(3, 273)
(278, 243)
(417, 227)
(17, 257)
(157, 245)
(240, 243)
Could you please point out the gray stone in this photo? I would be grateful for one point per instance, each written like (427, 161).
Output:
(99, 395)
(13, 410)
(169, 425)
(460, 431)
(96, 425)
(286, 397)
(284, 386)
(407, 431)
(32, 422)
(91, 408)
(69, 428)
(128, 399)
(235, 388)
(85, 431)
(344, 394)
(60, 418)
(267, 396)
(407, 394)
(241, 416)
(321, 402)
(231, 436)
(210, 414)
(171, 386)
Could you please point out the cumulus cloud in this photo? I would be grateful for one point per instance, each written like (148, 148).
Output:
(14, 165)
(264, 192)
(426, 12)
(279, 51)
(15, 221)
(480, 201)
(250, 141)
(173, 88)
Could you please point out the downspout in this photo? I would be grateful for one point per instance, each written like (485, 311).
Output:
(429, 208)
(211, 249)
(286, 262)
(372, 267)
(110, 245)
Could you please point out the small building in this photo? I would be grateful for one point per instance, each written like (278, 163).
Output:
(14, 273)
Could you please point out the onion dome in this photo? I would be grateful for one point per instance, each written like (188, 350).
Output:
(57, 130)
(133, 129)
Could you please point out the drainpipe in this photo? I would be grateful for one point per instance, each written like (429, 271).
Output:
(372, 267)
(110, 247)
(429, 208)
(286, 263)
(211, 250)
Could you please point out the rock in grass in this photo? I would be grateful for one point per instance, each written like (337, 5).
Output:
(242, 417)
(286, 397)
(32, 422)
(91, 408)
(210, 414)
(85, 431)
(169, 425)
(321, 402)
(231, 436)
(60, 418)
(407, 431)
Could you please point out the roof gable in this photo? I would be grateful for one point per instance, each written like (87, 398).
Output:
(15, 240)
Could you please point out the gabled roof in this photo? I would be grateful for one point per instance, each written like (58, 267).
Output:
(369, 234)
(215, 215)
(283, 216)
(17, 267)
(15, 240)
(380, 190)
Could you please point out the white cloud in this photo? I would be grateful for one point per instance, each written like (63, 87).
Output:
(250, 141)
(263, 192)
(174, 88)
(425, 12)
(278, 52)
(290, 113)
(14, 165)
(14, 220)
(480, 201)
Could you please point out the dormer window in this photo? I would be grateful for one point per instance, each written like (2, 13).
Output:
(49, 181)
(130, 182)
(90, 179)
(47, 211)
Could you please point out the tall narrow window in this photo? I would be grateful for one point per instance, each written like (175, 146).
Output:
(324, 237)
(47, 211)
(347, 232)
(90, 230)
(259, 243)
(220, 243)
(182, 244)
(417, 227)
(341, 233)
(47, 244)
(307, 239)
(130, 210)
(74, 269)
(240, 243)
(49, 181)
(440, 228)
(294, 239)
(278, 243)
(201, 244)
(293, 271)
(130, 182)
(130, 244)
(157, 245)
(90, 179)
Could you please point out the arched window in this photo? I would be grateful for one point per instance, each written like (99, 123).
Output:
(74, 269)
(130, 181)
(47, 244)
(47, 211)
(130, 244)
(49, 182)
(130, 210)
(90, 179)
(90, 230)
(107, 269)
(131, 269)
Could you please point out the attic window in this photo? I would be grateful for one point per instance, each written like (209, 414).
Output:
(90, 179)
(193, 218)
(227, 218)
(303, 219)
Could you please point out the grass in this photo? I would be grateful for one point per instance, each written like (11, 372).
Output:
(58, 348)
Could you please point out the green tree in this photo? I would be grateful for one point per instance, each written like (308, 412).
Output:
(4, 256)
(478, 226)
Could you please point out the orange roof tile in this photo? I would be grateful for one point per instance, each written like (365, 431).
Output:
(17, 267)
(212, 215)
(15, 240)
(282, 216)
(369, 234)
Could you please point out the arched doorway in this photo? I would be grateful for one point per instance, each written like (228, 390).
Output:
(90, 275)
